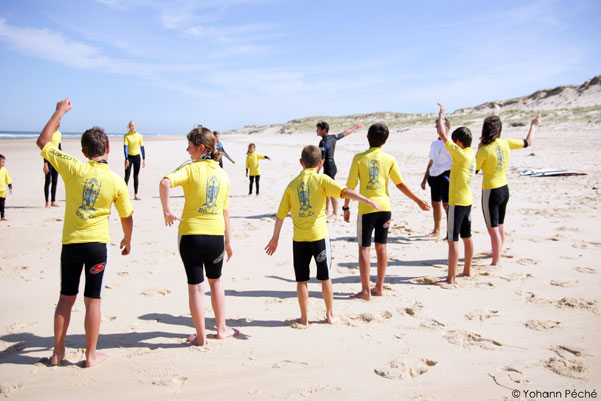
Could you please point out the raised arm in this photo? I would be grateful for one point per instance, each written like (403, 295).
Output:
(441, 127)
(62, 108)
(353, 129)
(164, 189)
(532, 131)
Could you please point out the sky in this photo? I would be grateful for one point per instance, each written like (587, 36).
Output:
(225, 64)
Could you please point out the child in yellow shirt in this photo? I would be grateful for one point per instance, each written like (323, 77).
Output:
(252, 167)
(4, 182)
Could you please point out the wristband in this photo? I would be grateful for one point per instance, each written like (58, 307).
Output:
(345, 208)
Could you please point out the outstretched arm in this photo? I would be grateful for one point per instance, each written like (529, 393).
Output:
(62, 108)
(353, 129)
(164, 189)
(127, 223)
(532, 131)
(405, 190)
(351, 194)
(441, 127)
(273, 242)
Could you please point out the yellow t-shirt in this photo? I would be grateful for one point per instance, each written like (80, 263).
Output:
(91, 188)
(252, 163)
(4, 181)
(134, 141)
(206, 189)
(462, 173)
(373, 168)
(305, 198)
(56, 138)
(493, 160)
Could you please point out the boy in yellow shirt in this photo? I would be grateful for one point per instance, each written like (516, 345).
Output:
(4, 182)
(305, 199)
(459, 220)
(91, 189)
(374, 168)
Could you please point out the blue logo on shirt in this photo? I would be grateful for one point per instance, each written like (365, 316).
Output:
(374, 172)
(500, 158)
(304, 200)
(212, 192)
(89, 195)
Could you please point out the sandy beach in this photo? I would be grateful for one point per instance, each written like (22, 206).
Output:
(531, 324)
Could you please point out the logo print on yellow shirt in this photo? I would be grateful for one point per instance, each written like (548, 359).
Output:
(304, 200)
(91, 190)
(500, 159)
(211, 196)
(374, 172)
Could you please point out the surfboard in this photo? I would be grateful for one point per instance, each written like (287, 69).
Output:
(549, 172)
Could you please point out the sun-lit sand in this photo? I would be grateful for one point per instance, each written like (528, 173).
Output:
(531, 324)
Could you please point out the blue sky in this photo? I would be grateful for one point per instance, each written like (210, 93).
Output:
(228, 63)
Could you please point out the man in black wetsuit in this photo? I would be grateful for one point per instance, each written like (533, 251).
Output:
(327, 145)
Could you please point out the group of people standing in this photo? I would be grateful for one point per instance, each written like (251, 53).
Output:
(204, 226)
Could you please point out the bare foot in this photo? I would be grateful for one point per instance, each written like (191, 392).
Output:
(136, 197)
(301, 321)
(4, 219)
(464, 275)
(444, 284)
(376, 292)
(57, 357)
(95, 360)
(433, 234)
(47, 204)
(54, 204)
(193, 338)
(331, 318)
(364, 295)
(228, 332)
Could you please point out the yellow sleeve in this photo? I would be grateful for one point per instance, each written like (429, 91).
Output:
(333, 189)
(515, 143)
(125, 139)
(285, 205)
(259, 156)
(395, 173)
(179, 176)
(122, 201)
(247, 161)
(353, 175)
(227, 196)
(65, 164)
(8, 181)
(480, 157)
(141, 140)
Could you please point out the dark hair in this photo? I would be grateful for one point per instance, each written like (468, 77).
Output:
(203, 136)
(311, 156)
(377, 135)
(249, 145)
(2, 157)
(446, 122)
(323, 125)
(491, 129)
(464, 135)
(94, 142)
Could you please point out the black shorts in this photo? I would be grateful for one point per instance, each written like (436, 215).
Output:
(370, 222)
(459, 222)
(439, 187)
(494, 205)
(92, 255)
(197, 251)
(304, 251)
(329, 168)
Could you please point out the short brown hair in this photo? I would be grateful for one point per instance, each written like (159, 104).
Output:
(203, 136)
(311, 156)
(377, 135)
(94, 142)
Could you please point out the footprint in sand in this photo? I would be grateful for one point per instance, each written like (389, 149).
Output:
(12, 349)
(577, 303)
(317, 389)
(372, 317)
(155, 292)
(400, 370)
(21, 326)
(588, 270)
(470, 340)
(540, 325)
(413, 310)
(567, 352)
(565, 367)
(124, 273)
(425, 280)
(176, 382)
(481, 315)
(558, 283)
(8, 388)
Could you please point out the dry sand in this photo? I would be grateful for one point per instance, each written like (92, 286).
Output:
(531, 324)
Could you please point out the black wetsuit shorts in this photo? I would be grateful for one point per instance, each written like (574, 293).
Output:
(304, 251)
(198, 251)
(91, 256)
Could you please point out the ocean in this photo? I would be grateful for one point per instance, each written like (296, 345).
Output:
(66, 135)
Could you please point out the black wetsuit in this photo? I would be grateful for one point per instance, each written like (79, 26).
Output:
(51, 181)
(327, 145)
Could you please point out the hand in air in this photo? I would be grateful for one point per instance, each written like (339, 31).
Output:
(536, 120)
